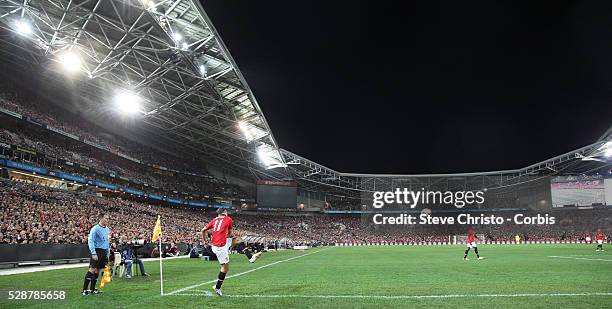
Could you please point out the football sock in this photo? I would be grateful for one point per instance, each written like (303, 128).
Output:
(87, 280)
(476, 250)
(248, 253)
(94, 278)
(220, 280)
(466, 252)
(242, 248)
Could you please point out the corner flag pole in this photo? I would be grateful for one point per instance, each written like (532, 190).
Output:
(157, 237)
(161, 270)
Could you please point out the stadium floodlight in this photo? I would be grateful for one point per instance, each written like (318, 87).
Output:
(70, 61)
(185, 46)
(177, 37)
(264, 157)
(269, 157)
(608, 149)
(128, 102)
(148, 3)
(23, 27)
(244, 127)
(202, 69)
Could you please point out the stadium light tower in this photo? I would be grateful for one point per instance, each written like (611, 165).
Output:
(23, 27)
(70, 61)
(128, 102)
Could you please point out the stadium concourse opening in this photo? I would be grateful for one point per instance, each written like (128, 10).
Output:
(138, 169)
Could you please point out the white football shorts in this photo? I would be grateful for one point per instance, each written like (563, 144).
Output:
(222, 253)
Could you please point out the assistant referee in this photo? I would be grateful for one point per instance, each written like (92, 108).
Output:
(98, 242)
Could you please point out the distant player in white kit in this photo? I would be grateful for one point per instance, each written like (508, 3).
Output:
(587, 238)
(222, 232)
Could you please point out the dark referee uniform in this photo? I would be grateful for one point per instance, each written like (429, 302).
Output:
(98, 244)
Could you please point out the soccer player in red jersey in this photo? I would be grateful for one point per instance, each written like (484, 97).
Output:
(222, 228)
(471, 244)
(222, 232)
(599, 239)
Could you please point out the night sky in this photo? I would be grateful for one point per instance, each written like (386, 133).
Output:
(430, 88)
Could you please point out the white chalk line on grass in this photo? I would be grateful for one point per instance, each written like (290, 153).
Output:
(577, 258)
(241, 273)
(401, 296)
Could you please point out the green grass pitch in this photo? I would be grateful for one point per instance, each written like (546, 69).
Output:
(518, 276)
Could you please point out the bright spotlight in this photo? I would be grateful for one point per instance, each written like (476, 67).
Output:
(265, 158)
(177, 37)
(245, 130)
(70, 61)
(185, 46)
(127, 102)
(202, 69)
(608, 149)
(148, 3)
(23, 27)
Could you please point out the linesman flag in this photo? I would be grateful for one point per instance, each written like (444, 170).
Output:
(107, 277)
(157, 229)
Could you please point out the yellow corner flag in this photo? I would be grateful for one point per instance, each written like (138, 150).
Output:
(156, 232)
(106, 278)
(157, 229)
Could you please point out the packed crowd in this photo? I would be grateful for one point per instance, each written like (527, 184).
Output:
(36, 214)
(98, 162)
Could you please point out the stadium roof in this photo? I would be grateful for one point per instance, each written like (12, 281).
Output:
(165, 51)
(195, 97)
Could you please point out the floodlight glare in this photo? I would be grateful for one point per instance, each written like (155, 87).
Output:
(185, 45)
(177, 37)
(608, 149)
(202, 69)
(264, 156)
(70, 61)
(23, 27)
(127, 102)
(245, 130)
(148, 3)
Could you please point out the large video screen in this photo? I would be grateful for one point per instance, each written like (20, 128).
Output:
(276, 194)
(578, 191)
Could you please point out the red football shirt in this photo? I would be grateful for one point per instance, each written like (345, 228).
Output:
(471, 236)
(599, 236)
(220, 228)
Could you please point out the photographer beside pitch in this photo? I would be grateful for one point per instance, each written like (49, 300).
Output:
(98, 242)
(129, 257)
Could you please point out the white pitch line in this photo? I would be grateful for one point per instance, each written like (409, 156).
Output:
(577, 258)
(401, 296)
(242, 273)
